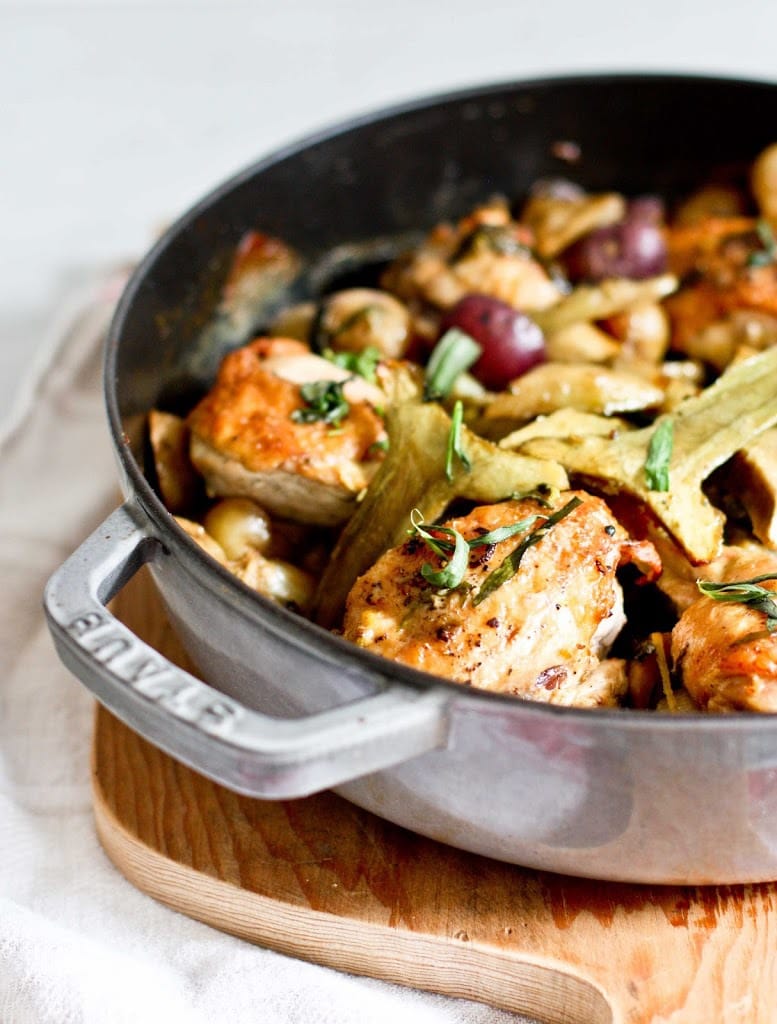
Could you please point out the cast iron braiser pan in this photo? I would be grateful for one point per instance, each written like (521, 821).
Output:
(289, 709)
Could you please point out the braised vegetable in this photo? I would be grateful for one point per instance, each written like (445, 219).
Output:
(393, 460)
(708, 429)
(511, 342)
(634, 247)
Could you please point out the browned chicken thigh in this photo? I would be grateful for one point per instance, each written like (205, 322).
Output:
(251, 437)
(541, 634)
(724, 653)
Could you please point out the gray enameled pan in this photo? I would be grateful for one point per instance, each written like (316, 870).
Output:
(289, 709)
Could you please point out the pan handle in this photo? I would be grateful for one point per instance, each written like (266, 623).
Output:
(248, 752)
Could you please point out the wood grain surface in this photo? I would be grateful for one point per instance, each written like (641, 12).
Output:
(325, 881)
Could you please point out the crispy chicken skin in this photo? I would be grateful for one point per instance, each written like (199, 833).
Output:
(540, 635)
(245, 442)
(725, 656)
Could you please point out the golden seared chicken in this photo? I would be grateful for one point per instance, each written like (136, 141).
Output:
(723, 651)
(487, 253)
(288, 429)
(729, 270)
(541, 634)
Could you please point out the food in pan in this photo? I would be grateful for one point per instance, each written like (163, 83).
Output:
(537, 456)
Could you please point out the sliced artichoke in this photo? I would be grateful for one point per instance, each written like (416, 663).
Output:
(599, 301)
(753, 479)
(567, 423)
(553, 386)
(179, 483)
(708, 429)
(581, 342)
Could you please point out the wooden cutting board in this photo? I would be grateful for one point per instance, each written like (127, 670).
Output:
(325, 881)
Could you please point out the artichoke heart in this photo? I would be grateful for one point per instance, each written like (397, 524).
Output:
(708, 429)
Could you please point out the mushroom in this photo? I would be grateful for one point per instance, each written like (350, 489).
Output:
(355, 319)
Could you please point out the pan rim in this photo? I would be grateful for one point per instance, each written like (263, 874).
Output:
(303, 633)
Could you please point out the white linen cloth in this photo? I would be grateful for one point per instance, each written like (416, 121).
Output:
(79, 944)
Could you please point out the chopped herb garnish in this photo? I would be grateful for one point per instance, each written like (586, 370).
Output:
(510, 565)
(543, 494)
(363, 363)
(658, 456)
(763, 257)
(324, 402)
(746, 592)
(455, 553)
(450, 545)
(497, 238)
(365, 313)
(455, 451)
(504, 532)
(454, 353)
(381, 445)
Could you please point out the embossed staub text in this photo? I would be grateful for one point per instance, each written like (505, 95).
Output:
(131, 661)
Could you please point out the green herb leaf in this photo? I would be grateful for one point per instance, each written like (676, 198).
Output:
(454, 443)
(746, 592)
(438, 544)
(363, 363)
(456, 550)
(454, 353)
(767, 255)
(509, 566)
(382, 445)
(455, 553)
(504, 532)
(659, 455)
(452, 573)
(497, 238)
(324, 402)
(543, 494)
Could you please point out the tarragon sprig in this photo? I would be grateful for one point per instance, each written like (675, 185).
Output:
(455, 449)
(454, 353)
(509, 567)
(747, 592)
(324, 401)
(455, 553)
(450, 545)
(659, 454)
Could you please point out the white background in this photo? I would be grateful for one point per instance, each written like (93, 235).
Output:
(116, 116)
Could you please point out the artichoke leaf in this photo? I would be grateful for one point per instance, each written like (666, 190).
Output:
(565, 423)
(550, 387)
(413, 477)
(708, 429)
(753, 479)
(599, 301)
(558, 222)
